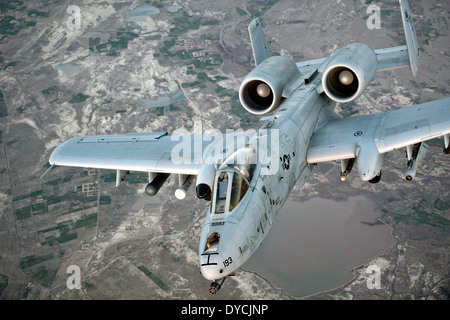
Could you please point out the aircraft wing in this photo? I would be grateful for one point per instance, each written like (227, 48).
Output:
(147, 152)
(343, 138)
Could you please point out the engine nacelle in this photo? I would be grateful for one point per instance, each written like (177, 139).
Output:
(349, 72)
(261, 90)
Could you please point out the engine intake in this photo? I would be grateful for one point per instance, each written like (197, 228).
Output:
(261, 90)
(349, 72)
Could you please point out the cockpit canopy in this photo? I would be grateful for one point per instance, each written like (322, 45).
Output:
(233, 180)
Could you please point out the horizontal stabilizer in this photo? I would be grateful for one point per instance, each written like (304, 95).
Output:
(392, 58)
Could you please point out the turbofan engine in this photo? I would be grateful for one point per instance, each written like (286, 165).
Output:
(349, 72)
(261, 91)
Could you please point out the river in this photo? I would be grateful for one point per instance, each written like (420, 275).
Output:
(313, 245)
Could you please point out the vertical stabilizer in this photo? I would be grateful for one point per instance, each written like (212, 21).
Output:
(259, 43)
(411, 38)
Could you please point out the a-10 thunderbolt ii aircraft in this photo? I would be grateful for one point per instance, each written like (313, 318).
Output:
(247, 176)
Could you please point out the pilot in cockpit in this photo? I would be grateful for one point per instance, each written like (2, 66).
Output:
(237, 170)
(243, 170)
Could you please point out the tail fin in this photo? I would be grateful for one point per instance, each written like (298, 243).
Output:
(259, 43)
(411, 38)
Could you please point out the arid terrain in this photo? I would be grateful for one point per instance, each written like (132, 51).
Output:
(141, 66)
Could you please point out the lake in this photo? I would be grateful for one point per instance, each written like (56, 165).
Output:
(313, 245)
(70, 68)
(141, 13)
(163, 100)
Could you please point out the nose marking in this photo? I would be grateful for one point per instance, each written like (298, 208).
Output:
(209, 256)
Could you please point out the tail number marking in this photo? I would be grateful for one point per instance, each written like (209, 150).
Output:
(227, 262)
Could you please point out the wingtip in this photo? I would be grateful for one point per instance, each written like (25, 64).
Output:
(255, 22)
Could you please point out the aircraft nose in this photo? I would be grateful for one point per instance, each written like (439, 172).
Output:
(218, 253)
(214, 266)
(211, 272)
(211, 266)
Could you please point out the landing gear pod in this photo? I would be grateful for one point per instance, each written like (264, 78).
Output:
(376, 179)
(369, 162)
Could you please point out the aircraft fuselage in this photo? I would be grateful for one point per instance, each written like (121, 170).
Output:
(242, 230)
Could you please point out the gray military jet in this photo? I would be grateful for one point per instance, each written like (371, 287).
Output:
(247, 176)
